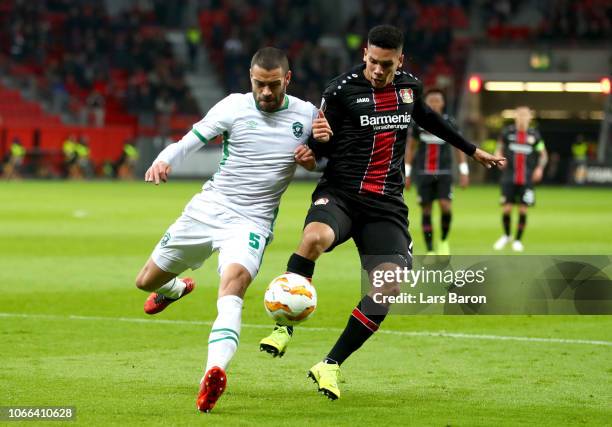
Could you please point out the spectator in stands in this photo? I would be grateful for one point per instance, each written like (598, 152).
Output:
(13, 163)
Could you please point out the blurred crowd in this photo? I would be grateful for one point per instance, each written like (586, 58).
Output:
(233, 30)
(103, 68)
(97, 66)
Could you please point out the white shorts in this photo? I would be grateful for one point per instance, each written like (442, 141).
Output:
(189, 242)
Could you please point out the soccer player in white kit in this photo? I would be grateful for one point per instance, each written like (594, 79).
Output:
(264, 137)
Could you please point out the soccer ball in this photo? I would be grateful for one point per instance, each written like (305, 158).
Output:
(290, 299)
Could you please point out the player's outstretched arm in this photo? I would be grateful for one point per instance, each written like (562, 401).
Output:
(158, 171)
(171, 156)
(435, 124)
(488, 160)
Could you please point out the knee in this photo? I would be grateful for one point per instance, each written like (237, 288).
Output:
(316, 241)
(234, 281)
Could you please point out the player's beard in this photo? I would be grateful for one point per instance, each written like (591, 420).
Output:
(271, 103)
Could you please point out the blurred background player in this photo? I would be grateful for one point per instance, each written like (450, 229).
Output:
(433, 173)
(125, 165)
(14, 160)
(265, 134)
(526, 155)
(77, 161)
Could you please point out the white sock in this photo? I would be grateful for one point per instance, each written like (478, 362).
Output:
(173, 289)
(225, 333)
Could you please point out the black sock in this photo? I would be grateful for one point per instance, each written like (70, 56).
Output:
(364, 321)
(446, 222)
(522, 222)
(506, 222)
(289, 328)
(299, 265)
(427, 231)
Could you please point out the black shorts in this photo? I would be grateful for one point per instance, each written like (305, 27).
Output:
(517, 194)
(379, 226)
(432, 187)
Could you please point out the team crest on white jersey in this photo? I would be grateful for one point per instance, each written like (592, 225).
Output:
(406, 95)
(298, 129)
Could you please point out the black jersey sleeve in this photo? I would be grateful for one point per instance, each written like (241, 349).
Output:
(434, 123)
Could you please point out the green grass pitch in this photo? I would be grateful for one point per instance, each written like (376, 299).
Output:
(73, 330)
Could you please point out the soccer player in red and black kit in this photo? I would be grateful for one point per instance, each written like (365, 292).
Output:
(433, 173)
(360, 194)
(524, 148)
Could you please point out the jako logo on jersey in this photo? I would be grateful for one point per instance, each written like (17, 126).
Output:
(366, 120)
(321, 201)
(406, 95)
(360, 100)
(298, 129)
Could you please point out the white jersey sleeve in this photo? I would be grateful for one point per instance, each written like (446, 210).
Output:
(217, 121)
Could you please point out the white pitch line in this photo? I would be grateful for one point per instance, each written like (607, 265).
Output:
(431, 334)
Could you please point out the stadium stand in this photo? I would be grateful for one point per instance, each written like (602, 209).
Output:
(105, 77)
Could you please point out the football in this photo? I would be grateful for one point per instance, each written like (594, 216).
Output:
(290, 299)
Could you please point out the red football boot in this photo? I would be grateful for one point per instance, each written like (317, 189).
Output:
(212, 387)
(157, 302)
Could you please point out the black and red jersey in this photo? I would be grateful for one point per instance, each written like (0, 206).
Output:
(522, 150)
(366, 152)
(433, 155)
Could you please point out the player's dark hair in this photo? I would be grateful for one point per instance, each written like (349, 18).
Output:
(270, 58)
(435, 90)
(386, 37)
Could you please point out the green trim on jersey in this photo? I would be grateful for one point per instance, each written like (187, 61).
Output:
(283, 107)
(225, 155)
(225, 149)
(200, 136)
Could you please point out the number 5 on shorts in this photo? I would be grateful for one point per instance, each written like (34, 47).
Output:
(254, 240)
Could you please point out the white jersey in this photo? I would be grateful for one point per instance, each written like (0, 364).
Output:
(258, 160)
